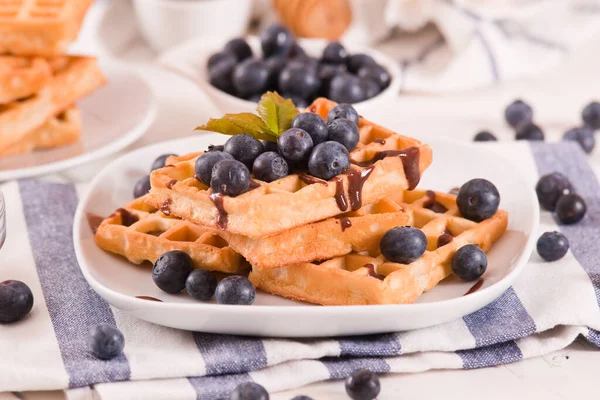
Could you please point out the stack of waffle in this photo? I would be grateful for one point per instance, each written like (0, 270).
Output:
(39, 86)
(302, 237)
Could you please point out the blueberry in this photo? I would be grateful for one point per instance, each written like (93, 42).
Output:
(591, 115)
(549, 189)
(230, 177)
(484, 136)
(235, 290)
(171, 270)
(218, 57)
(244, 148)
(206, 162)
(296, 79)
(106, 341)
(274, 65)
(570, 208)
(343, 131)
(346, 88)
(160, 161)
(356, 61)
(301, 397)
(326, 72)
(469, 263)
(343, 111)
(295, 144)
(276, 40)
(328, 159)
(529, 131)
(142, 187)
(250, 77)
(403, 244)
(584, 136)
(377, 73)
(478, 199)
(334, 53)
(518, 113)
(249, 391)
(269, 167)
(552, 246)
(363, 385)
(16, 300)
(270, 146)
(215, 147)
(239, 48)
(313, 124)
(296, 51)
(219, 75)
(201, 285)
(305, 62)
(370, 87)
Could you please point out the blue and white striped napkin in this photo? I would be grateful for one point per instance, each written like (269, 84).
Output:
(550, 305)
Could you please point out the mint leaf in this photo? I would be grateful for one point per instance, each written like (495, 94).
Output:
(235, 124)
(276, 112)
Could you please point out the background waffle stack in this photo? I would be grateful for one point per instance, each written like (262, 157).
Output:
(39, 86)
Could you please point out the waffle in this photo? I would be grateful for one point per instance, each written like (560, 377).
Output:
(298, 199)
(141, 233)
(367, 278)
(40, 27)
(73, 78)
(21, 77)
(61, 130)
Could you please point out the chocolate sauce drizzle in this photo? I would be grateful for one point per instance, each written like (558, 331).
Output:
(340, 197)
(253, 185)
(346, 223)
(148, 298)
(432, 204)
(475, 287)
(454, 190)
(165, 208)
(444, 239)
(380, 141)
(309, 179)
(127, 218)
(222, 217)
(94, 221)
(371, 270)
(356, 181)
(171, 183)
(410, 161)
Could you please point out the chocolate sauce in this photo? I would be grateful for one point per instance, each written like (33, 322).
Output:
(309, 179)
(171, 183)
(356, 181)
(340, 197)
(433, 205)
(380, 141)
(313, 109)
(169, 166)
(165, 208)
(346, 223)
(253, 185)
(454, 190)
(371, 269)
(94, 221)
(148, 298)
(222, 218)
(475, 287)
(410, 161)
(127, 218)
(444, 239)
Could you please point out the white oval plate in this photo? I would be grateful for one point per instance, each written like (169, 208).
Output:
(113, 117)
(118, 282)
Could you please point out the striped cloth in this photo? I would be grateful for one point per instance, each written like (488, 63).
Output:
(550, 305)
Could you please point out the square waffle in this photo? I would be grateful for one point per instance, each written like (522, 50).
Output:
(384, 162)
(21, 77)
(40, 27)
(141, 233)
(61, 130)
(367, 278)
(73, 77)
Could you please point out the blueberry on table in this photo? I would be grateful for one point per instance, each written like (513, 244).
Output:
(343, 111)
(106, 341)
(206, 162)
(570, 208)
(313, 124)
(276, 40)
(356, 61)
(334, 53)
(219, 75)
(363, 385)
(552, 246)
(244, 148)
(201, 285)
(235, 290)
(377, 73)
(16, 301)
(251, 77)
(469, 263)
(298, 80)
(529, 131)
(161, 161)
(478, 199)
(403, 244)
(484, 136)
(346, 88)
(518, 113)
(171, 270)
(142, 187)
(549, 189)
(218, 57)
(343, 131)
(591, 115)
(584, 136)
(239, 48)
(230, 178)
(328, 159)
(295, 145)
(270, 166)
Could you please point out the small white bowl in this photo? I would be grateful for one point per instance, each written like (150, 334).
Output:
(190, 60)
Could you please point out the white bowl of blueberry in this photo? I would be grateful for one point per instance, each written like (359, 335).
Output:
(237, 72)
